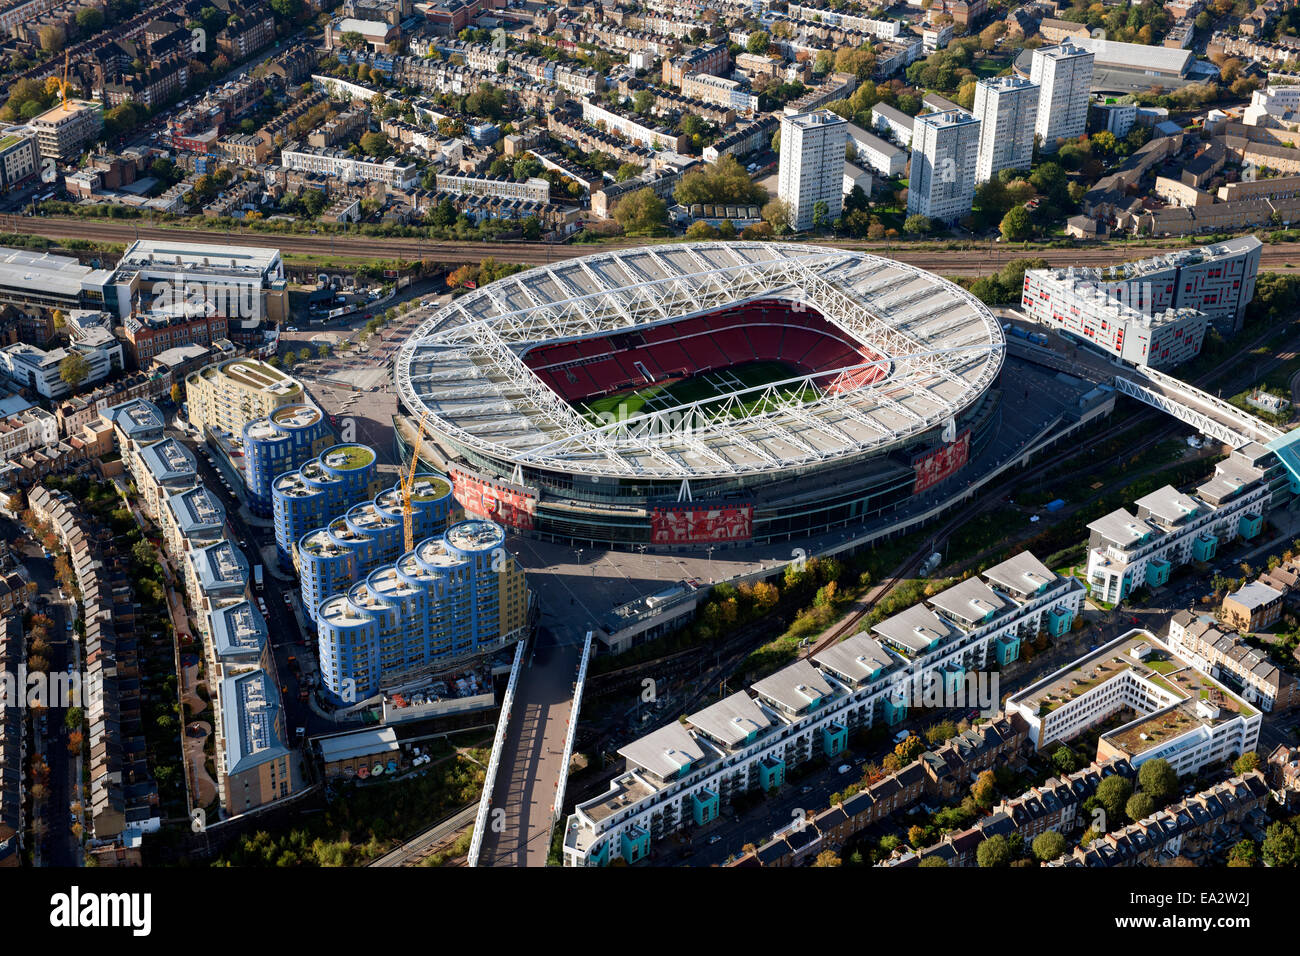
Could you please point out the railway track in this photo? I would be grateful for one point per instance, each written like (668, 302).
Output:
(974, 261)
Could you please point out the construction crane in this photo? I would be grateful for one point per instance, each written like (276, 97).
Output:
(407, 484)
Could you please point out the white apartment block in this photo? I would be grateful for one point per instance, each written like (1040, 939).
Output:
(720, 92)
(1184, 716)
(945, 147)
(936, 37)
(27, 366)
(336, 163)
(470, 184)
(1218, 280)
(1063, 299)
(812, 165)
(893, 123)
(1007, 108)
(881, 155)
(18, 156)
(23, 431)
(678, 775)
(1064, 74)
(1127, 551)
(629, 128)
(63, 131)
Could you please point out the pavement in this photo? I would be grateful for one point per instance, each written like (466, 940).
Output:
(531, 758)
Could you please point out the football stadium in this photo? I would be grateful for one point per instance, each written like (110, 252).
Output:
(676, 396)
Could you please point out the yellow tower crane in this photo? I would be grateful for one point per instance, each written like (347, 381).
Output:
(407, 484)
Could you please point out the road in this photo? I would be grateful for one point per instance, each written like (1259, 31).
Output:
(981, 259)
(258, 544)
(531, 755)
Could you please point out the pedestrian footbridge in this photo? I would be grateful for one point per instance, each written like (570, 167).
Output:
(1212, 416)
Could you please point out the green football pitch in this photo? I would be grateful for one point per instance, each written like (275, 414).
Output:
(697, 388)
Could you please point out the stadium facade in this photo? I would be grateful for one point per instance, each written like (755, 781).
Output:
(612, 399)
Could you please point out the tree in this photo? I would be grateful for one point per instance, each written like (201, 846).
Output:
(641, 213)
(701, 230)
(627, 171)
(1064, 760)
(1158, 778)
(1244, 853)
(821, 214)
(758, 42)
(984, 789)
(352, 40)
(827, 858)
(375, 144)
(1140, 806)
(1280, 845)
(993, 852)
(74, 369)
(1049, 845)
(1246, 763)
(917, 224)
(1112, 794)
(1016, 225)
(143, 553)
(176, 393)
(909, 749)
(89, 20)
(643, 102)
(52, 38)
(777, 214)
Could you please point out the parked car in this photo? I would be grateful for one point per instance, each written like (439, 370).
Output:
(844, 768)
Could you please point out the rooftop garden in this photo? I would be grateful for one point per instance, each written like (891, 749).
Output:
(349, 457)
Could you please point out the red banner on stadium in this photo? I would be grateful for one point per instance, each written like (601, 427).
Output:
(702, 525)
(483, 498)
(941, 463)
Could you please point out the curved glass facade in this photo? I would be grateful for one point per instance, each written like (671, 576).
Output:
(341, 476)
(452, 595)
(283, 441)
(340, 554)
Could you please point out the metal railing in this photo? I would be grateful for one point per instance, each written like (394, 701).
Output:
(485, 802)
(573, 728)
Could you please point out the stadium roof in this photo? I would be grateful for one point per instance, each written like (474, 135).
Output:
(939, 347)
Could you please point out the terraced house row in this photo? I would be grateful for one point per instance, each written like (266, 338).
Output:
(678, 776)
(1056, 805)
(943, 774)
(122, 799)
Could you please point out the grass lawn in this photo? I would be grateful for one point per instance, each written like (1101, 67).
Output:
(697, 388)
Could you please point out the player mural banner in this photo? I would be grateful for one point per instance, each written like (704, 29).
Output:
(933, 467)
(701, 525)
(484, 498)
